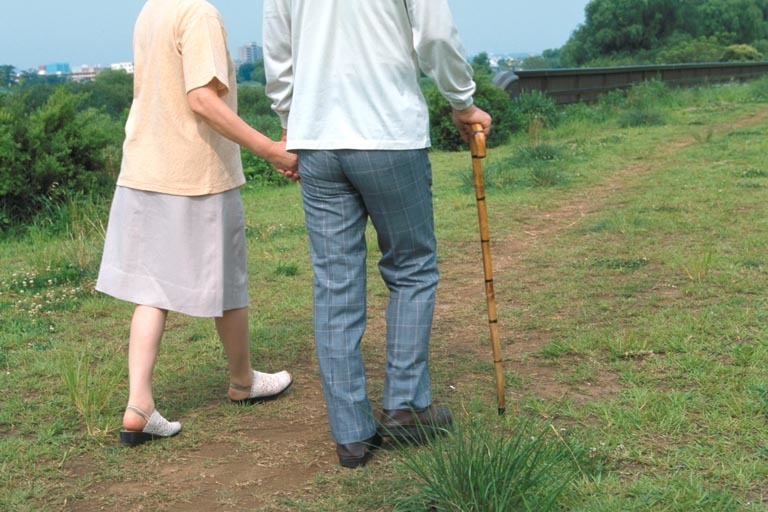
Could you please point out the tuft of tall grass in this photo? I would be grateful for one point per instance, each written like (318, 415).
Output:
(90, 387)
(481, 466)
(539, 152)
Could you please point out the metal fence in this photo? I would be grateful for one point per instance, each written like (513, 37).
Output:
(574, 85)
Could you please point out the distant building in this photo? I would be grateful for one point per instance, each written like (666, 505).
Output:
(125, 66)
(56, 69)
(250, 53)
(85, 73)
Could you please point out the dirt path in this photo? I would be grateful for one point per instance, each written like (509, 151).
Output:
(280, 453)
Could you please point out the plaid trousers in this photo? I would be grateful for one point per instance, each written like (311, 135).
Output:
(341, 189)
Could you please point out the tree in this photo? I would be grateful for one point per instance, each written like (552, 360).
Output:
(620, 26)
(244, 72)
(7, 75)
(640, 30)
(111, 92)
(30, 77)
(482, 63)
(742, 21)
(258, 74)
(549, 59)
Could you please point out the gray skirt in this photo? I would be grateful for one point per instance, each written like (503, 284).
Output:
(179, 253)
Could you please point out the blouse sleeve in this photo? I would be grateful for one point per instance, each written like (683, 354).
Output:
(203, 47)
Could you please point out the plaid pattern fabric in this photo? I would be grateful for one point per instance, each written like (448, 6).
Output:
(341, 189)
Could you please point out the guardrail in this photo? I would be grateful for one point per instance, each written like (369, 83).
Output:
(587, 84)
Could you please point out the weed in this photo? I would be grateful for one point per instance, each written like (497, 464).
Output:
(541, 152)
(545, 176)
(621, 263)
(90, 387)
(753, 172)
(481, 466)
(761, 393)
(699, 268)
(744, 133)
(287, 269)
(703, 138)
(638, 117)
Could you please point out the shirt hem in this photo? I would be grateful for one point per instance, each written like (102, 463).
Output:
(152, 187)
(328, 145)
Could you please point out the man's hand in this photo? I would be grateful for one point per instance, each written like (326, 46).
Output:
(464, 119)
(291, 171)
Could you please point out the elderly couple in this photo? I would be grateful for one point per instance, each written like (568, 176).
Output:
(343, 77)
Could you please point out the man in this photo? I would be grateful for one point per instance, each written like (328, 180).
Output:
(343, 77)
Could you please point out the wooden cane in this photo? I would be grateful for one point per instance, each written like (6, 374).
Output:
(477, 147)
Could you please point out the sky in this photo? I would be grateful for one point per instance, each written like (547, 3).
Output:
(99, 32)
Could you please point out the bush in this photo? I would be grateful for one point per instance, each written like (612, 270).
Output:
(536, 107)
(488, 97)
(253, 101)
(256, 109)
(703, 49)
(741, 53)
(53, 151)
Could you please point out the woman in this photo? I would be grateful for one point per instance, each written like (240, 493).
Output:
(176, 234)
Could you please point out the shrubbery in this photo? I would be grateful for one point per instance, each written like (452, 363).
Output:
(53, 147)
(64, 140)
(488, 97)
(255, 108)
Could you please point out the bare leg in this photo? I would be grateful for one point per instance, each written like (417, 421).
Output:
(233, 331)
(147, 328)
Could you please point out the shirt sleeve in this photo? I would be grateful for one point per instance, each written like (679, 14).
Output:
(278, 56)
(203, 47)
(440, 52)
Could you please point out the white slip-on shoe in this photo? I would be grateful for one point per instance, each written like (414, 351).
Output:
(265, 387)
(157, 427)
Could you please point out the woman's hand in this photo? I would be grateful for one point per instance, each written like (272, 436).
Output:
(285, 163)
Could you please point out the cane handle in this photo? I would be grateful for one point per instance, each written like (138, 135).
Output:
(477, 142)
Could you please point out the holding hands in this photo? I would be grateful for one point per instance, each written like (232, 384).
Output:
(289, 166)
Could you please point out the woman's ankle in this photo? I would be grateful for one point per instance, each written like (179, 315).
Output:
(240, 389)
(134, 419)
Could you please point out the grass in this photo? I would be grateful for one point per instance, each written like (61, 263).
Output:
(632, 308)
(481, 466)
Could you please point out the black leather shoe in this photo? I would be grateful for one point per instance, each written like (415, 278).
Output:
(354, 455)
(415, 426)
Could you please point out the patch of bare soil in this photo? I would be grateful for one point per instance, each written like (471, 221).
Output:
(278, 454)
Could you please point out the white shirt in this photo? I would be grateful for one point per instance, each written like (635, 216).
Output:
(344, 74)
